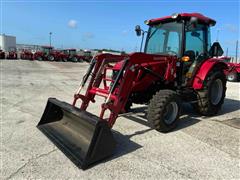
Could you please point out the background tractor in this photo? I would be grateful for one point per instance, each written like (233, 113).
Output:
(87, 55)
(26, 54)
(178, 64)
(2, 54)
(46, 53)
(233, 72)
(12, 53)
(71, 55)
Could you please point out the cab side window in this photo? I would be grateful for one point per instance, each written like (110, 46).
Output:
(195, 40)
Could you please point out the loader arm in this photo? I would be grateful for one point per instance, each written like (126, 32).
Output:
(130, 69)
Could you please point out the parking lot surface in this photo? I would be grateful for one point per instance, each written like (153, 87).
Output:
(200, 147)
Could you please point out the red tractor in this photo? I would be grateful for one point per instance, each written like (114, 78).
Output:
(2, 54)
(177, 65)
(59, 55)
(233, 72)
(72, 55)
(87, 56)
(12, 53)
(46, 53)
(26, 54)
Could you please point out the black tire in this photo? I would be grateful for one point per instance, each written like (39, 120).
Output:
(51, 58)
(210, 100)
(160, 108)
(80, 60)
(232, 77)
(74, 59)
(64, 59)
(39, 58)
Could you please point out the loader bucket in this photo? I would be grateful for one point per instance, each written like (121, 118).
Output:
(81, 136)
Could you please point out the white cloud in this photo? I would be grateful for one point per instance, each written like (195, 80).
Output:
(72, 23)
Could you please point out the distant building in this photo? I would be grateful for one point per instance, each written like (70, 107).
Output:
(31, 47)
(7, 43)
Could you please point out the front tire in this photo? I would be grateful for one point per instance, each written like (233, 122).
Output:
(51, 58)
(64, 59)
(74, 59)
(211, 97)
(164, 110)
(39, 58)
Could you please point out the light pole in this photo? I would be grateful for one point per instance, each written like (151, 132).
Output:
(50, 38)
(236, 51)
(217, 34)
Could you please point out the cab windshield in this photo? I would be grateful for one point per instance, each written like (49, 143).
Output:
(164, 39)
(46, 49)
(72, 52)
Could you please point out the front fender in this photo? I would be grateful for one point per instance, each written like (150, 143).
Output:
(205, 68)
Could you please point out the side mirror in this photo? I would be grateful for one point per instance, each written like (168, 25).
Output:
(138, 30)
(216, 50)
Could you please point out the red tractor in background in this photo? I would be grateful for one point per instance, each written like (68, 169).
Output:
(2, 54)
(26, 54)
(233, 72)
(59, 55)
(87, 56)
(178, 65)
(12, 53)
(73, 56)
(46, 53)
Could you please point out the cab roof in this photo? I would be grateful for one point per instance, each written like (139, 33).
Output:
(186, 16)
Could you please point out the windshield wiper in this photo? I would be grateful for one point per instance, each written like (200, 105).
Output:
(152, 34)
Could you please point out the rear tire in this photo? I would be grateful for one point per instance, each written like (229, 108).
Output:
(211, 97)
(164, 110)
(232, 76)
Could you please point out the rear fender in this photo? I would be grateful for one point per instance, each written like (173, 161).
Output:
(203, 71)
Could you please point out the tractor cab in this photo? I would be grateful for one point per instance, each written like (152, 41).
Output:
(46, 49)
(186, 36)
(72, 52)
(87, 55)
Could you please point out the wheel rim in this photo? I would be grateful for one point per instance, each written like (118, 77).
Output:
(216, 91)
(231, 77)
(51, 58)
(171, 113)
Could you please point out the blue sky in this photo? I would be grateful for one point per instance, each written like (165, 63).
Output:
(107, 24)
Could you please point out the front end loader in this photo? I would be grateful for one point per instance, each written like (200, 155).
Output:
(169, 71)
